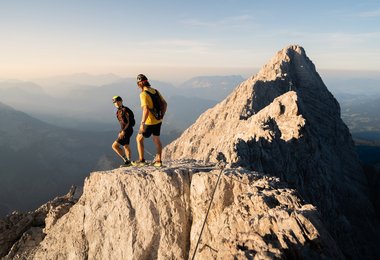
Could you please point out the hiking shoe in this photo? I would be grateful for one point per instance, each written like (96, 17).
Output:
(157, 164)
(127, 163)
(139, 163)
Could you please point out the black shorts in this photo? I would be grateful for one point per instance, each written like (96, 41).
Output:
(125, 139)
(152, 129)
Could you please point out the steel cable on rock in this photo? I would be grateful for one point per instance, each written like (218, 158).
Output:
(211, 201)
(208, 210)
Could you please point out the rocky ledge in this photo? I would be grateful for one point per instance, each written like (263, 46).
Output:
(148, 213)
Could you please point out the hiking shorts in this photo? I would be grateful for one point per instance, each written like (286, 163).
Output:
(125, 139)
(152, 129)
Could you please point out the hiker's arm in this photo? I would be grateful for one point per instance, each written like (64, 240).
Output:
(144, 114)
(143, 119)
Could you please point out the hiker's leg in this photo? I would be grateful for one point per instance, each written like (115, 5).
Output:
(127, 150)
(140, 146)
(117, 149)
(157, 142)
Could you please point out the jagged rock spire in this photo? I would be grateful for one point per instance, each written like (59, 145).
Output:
(220, 128)
(284, 122)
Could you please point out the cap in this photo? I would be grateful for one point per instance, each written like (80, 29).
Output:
(116, 98)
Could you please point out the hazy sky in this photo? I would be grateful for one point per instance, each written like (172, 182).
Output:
(162, 37)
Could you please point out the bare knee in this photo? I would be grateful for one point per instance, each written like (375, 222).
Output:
(115, 145)
(139, 138)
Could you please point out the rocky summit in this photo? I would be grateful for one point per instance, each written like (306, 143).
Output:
(285, 122)
(291, 186)
(145, 213)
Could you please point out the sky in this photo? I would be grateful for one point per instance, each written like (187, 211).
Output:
(172, 39)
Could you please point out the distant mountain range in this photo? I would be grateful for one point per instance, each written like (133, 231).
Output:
(86, 102)
(359, 97)
(361, 113)
(41, 155)
(210, 87)
(39, 161)
(89, 107)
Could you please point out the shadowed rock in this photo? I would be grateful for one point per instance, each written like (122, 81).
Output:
(285, 122)
(21, 233)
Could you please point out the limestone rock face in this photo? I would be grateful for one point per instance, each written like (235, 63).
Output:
(256, 217)
(284, 122)
(144, 213)
(214, 132)
(124, 215)
(20, 233)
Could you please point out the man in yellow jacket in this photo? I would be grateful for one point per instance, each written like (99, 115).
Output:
(154, 107)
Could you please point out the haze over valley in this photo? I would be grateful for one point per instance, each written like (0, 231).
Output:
(52, 134)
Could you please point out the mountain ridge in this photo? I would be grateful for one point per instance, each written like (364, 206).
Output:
(283, 121)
